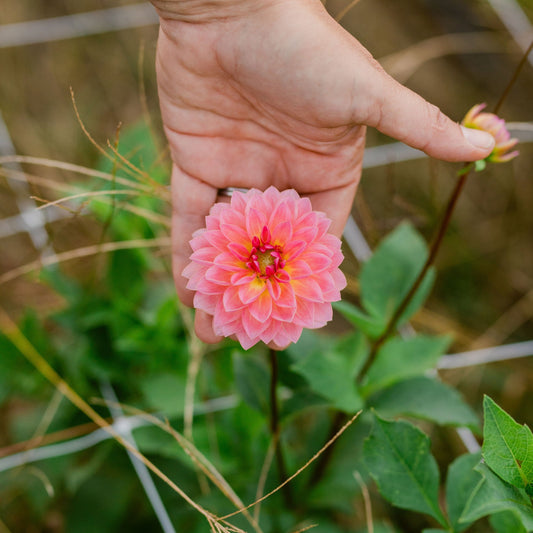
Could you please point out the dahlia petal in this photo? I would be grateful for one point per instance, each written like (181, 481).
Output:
(217, 239)
(261, 308)
(252, 327)
(273, 289)
(231, 299)
(255, 222)
(238, 201)
(284, 314)
(282, 276)
(294, 249)
(206, 302)
(208, 287)
(307, 234)
(245, 341)
(287, 298)
(242, 277)
(308, 289)
(304, 207)
(233, 233)
(317, 262)
(218, 275)
(323, 225)
(282, 233)
(250, 292)
(270, 332)
(228, 261)
(204, 255)
(225, 322)
(239, 251)
(292, 331)
(339, 278)
(323, 315)
(298, 269)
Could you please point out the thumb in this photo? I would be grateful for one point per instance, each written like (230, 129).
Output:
(406, 116)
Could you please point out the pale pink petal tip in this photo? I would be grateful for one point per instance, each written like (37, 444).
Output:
(265, 267)
(491, 123)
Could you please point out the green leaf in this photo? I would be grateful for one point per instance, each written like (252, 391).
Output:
(399, 359)
(506, 522)
(480, 165)
(371, 326)
(461, 481)
(331, 373)
(507, 446)
(389, 274)
(493, 495)
(252, 379)
(398, 457)
(165, 392)
(425, 398)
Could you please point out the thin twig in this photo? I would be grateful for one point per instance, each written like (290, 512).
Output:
(345, 11)
(83, 252)
(300, 470)
(368, 502)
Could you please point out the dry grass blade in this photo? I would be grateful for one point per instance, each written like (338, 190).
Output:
(13, 333)
(91, 194)
(129, 169)
(196, 456)
(403, 64)
(301, 469)
(107, 247)
(366, 498)
(70, 167)
(306, 528)
(267, 463)
(346, 10)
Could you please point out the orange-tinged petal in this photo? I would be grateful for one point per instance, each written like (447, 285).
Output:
(251, 291)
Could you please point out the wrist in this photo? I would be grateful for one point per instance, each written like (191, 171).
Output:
(205, 10)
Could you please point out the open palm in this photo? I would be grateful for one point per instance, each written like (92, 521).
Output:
(279, 95)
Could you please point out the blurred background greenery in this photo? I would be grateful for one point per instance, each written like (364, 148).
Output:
(114, 316)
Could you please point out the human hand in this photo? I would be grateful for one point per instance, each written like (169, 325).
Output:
(267, 92)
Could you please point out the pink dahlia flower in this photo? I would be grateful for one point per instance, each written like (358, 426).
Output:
(496, 127)
(265, 267)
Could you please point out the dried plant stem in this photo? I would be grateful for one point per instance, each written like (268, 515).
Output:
(274, 427)
(300, 470)
(366, 498)
(83, 252)
(11, 331)
(345, 11)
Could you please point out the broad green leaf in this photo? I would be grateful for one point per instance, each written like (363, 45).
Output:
(461, 481)
(398, 457)
(493, 495)
(371, 326)
(399, 359)
(331, 373)
(506, 522)
(507, 446)
(252, 379)
(389, 274)
(165, 392)
(425, 398)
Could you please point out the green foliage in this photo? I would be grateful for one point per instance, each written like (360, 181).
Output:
(400, 359)
(398, 457)
(427, 399)
(386, 279)
(507, 446)
(461, 481)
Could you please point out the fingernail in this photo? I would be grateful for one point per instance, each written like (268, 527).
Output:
(479, 138)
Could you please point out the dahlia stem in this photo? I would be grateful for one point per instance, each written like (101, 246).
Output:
(275, 429)
(435, 246)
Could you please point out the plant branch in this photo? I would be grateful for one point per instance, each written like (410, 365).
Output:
(275, 429)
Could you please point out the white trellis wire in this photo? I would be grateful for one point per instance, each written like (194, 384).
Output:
(77, 25)
(140, 468)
